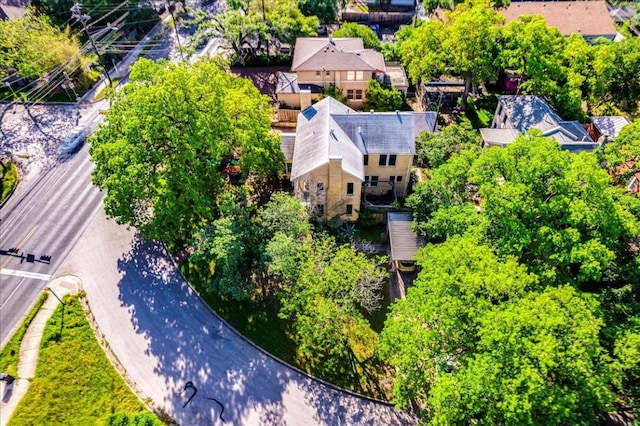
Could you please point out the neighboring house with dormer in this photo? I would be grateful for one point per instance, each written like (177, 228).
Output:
(321, 62)
(518, 114)
(340, 156)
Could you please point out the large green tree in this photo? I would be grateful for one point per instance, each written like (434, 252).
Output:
(352, 29)
(435, 148)
(32, 48)
(475, 341)
(555, 210)
(536, 52)
(465, 44)
(334, 285)
(429, 332)
(537, 361)
(160, 153)
(622, 156)
(326, 10)
(249, 28)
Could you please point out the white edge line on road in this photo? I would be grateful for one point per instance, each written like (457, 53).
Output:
(25, 274)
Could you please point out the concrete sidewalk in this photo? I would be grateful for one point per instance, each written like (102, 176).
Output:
(30, 346)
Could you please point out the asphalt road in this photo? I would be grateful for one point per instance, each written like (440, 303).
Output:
(43, 218)
(185, 358)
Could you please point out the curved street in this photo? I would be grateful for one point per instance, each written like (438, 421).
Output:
(187, 360)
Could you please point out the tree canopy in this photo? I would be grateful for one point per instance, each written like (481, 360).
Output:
(464, 45)
(352, 29)
(33, 48)
(269, 22)
(435, 148)
(326, 10)
(167, 135)
(477, 341)
(384, 97)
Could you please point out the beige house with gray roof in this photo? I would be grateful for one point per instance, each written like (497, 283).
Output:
(340, 156)
(321, 62)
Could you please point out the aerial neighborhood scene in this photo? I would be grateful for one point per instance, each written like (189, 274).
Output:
(319, 212)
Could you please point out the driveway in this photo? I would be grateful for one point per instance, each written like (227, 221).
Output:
(186, 359)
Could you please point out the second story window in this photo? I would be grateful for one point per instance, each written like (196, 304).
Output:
(355, 75)
(371, 180)
(387, 160)
(366, 160)
(320, 187)
(350, 188)
(317, 73)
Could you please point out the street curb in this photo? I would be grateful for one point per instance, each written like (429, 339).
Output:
(146, 400)
(30, 346)
(275, 358)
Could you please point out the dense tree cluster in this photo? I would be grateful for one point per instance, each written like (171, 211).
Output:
(351, 29)
(32, 47)
(526, 310)
(167, 135)
(474, 43)
(249, 28)
(320, 287)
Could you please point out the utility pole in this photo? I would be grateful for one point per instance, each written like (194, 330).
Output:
(83, 18)
(171, 6)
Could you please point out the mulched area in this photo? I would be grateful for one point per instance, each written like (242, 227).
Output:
(264, 78)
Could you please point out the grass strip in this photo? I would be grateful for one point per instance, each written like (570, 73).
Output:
(9, 355)
(8, 179)
(75, 383)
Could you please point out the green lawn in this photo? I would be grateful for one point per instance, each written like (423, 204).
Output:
(480, 111)
(252, 319)
(260, 324)
(75, 383)
(11, 352)
(8, 179)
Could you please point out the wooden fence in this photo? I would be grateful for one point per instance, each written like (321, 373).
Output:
(383, 18)
(288, 115)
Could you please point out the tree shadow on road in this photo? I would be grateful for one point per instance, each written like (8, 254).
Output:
(190, 343)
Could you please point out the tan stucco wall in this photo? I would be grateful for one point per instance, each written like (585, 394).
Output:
(402, 168)
(291, 99)
(335, 198)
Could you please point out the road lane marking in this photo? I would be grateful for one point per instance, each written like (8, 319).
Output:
(25, 274)
(24, 240)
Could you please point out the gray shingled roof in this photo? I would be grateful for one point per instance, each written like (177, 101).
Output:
(380, 133)
(532, 112)
(425, 122)
(330, 129)
(316, 142)
(287, 141)
(404, 242)
(339, 54)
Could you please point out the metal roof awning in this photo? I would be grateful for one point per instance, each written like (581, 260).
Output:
(404, 242)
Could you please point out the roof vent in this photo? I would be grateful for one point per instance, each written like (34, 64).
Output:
(359, 130)
(371, 111)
